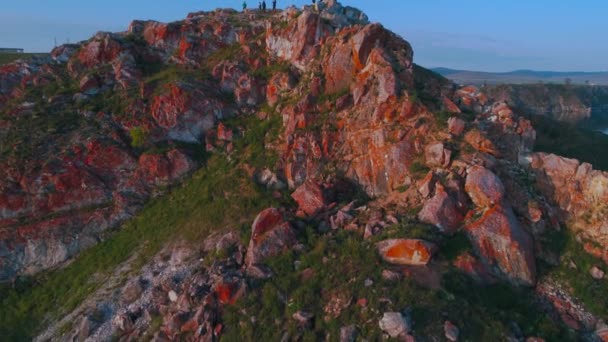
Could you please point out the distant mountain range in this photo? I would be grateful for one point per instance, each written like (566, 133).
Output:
(523, 77)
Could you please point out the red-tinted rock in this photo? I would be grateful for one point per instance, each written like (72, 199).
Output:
(484, 187)
(270, 236)
(469, 98)
(456, 126)
(436, 155)
(310, 198)
(441, 211)
(475, 269)
(449, 106)
(571, 312)
(168, 107)
(579, 191)
(480, 142)
(406, 251)
(501, 242)
(451, 331)
(161, 169)
(103, 48)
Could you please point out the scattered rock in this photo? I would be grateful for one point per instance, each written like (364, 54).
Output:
(310, 198)
(303, 317)
(391, 275)
(406, 251)
(427, 186)
(132, 291)
(475, 269)
(436, 155)
(172, 296)
(395, 324)
(484, 187)
(123, 322)
(596, 273)
(535, 339)
(348, 333)
(480, 142)
(269, 179)
(456, 126)
(441, 211)
(451, 331)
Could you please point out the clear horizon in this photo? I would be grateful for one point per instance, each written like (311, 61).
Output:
(476, 35)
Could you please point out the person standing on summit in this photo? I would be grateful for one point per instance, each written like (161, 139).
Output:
(274, 5)
(263, 5)
(244, 5)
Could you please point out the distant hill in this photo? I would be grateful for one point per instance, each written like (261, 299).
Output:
(8, 57)
(523, 77)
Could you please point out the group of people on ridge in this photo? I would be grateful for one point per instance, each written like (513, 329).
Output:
(262, 5)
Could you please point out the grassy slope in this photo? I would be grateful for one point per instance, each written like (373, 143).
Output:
(342, 262)
(218, 196)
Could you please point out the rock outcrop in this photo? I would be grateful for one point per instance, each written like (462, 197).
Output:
(580, 193)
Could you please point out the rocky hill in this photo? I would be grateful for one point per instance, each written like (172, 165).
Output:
(283, 176)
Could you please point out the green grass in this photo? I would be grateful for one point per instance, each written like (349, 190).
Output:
(267, 71)
(591, 292)
(6, 57)
(343, 261)
(218, 196)
(418, 169)
(138, 136)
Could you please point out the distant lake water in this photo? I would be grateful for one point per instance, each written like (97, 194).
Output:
(605, 131)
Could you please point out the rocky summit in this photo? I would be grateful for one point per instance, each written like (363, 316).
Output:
(287, 175)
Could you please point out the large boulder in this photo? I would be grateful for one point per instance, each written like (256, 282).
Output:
(484, 187)
(406, 251)
(504, 245)
(270, 236)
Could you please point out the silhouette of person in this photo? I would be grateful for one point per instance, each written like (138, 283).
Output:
(263, 5)
(274, 5)
(260, 5)
(244, 5)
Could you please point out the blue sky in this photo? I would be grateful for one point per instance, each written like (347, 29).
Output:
(500, 35)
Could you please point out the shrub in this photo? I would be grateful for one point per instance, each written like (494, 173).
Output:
(139, 135)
